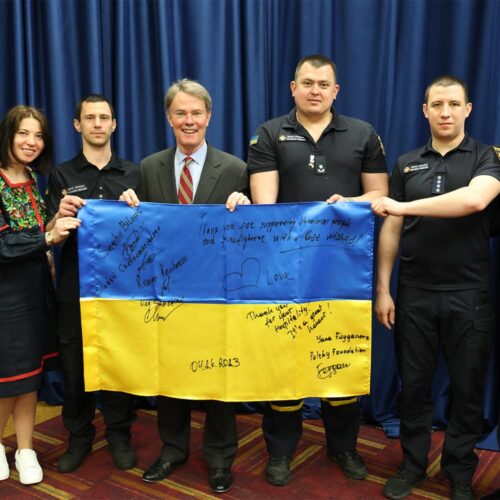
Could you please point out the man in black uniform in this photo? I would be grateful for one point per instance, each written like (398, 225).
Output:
(439, 193)
(315, 154)
(94, 173)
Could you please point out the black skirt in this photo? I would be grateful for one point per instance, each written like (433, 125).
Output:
(27, 325)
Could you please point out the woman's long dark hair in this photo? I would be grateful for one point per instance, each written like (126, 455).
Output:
(8, 129)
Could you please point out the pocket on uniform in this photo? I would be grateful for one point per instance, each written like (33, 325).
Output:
(483, 318)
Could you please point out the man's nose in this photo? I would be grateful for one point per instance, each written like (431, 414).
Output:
(445, 110)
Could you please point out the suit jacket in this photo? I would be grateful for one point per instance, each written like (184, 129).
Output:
(221, 175)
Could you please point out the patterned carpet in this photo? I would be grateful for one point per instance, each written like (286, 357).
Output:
(314, 476)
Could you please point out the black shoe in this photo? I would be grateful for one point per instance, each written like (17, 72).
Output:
(351, 463)
(123, 455)
(73, 457)
(400, 485)
(220, 479)
(159, 470)
(461, 490)
(278, 470)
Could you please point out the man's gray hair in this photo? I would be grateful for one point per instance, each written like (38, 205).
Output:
(191, 88)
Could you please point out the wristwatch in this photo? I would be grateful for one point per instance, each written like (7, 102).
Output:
(49, 238)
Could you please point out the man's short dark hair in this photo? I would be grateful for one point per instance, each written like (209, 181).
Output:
(92, 98)
(9, 128)
(447, 81)
(317, 61)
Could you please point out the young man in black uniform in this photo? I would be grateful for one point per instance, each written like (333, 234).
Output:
(439, 193)
(315, 154)
(94, 173)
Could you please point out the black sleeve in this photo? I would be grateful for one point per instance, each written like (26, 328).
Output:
(396, 184)
(488, 163)
(262, 155)
(54, 194)
(20, 245)
(374, 160)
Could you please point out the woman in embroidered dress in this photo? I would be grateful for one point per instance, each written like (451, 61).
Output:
(25, 280)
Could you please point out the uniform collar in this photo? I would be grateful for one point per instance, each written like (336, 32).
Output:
(338, 122)
(82, 162)
(467, 144)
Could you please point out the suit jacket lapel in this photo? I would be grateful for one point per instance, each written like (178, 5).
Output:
(208, 179)
(166, 177)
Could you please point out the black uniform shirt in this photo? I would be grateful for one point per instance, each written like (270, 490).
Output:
(444, 253)
(81, 178)
(313, 171)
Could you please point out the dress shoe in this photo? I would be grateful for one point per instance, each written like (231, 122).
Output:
(159, 470)
(28, 467)
(220, 479)
(123, 455)
(278, 470)
(351, 463)
(73, 457)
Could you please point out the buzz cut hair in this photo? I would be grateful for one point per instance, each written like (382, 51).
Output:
(447, 81)
(92, 98)
(317, 61)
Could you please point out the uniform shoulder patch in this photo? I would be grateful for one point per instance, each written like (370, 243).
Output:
(381, 144)
(254, 139)
(497, 151)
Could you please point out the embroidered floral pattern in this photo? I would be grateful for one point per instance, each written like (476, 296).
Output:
(22, 203)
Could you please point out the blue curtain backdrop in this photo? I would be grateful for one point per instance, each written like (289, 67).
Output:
(244, 51)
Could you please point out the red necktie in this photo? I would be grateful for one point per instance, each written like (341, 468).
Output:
(185, 193)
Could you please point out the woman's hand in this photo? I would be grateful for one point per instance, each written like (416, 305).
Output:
(61, 230)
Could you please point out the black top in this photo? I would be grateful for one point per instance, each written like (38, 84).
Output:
(313, 171)
(81, 178)
(444, 253)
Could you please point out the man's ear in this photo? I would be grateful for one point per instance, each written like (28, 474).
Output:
(168, 119)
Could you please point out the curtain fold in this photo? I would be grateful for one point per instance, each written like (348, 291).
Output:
(245, 51)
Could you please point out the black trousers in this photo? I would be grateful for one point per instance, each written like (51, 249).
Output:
(220, 439)
(79, 406)
(459, 322)
(282, 425)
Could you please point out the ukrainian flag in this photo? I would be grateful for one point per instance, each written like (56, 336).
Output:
(270, 302)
